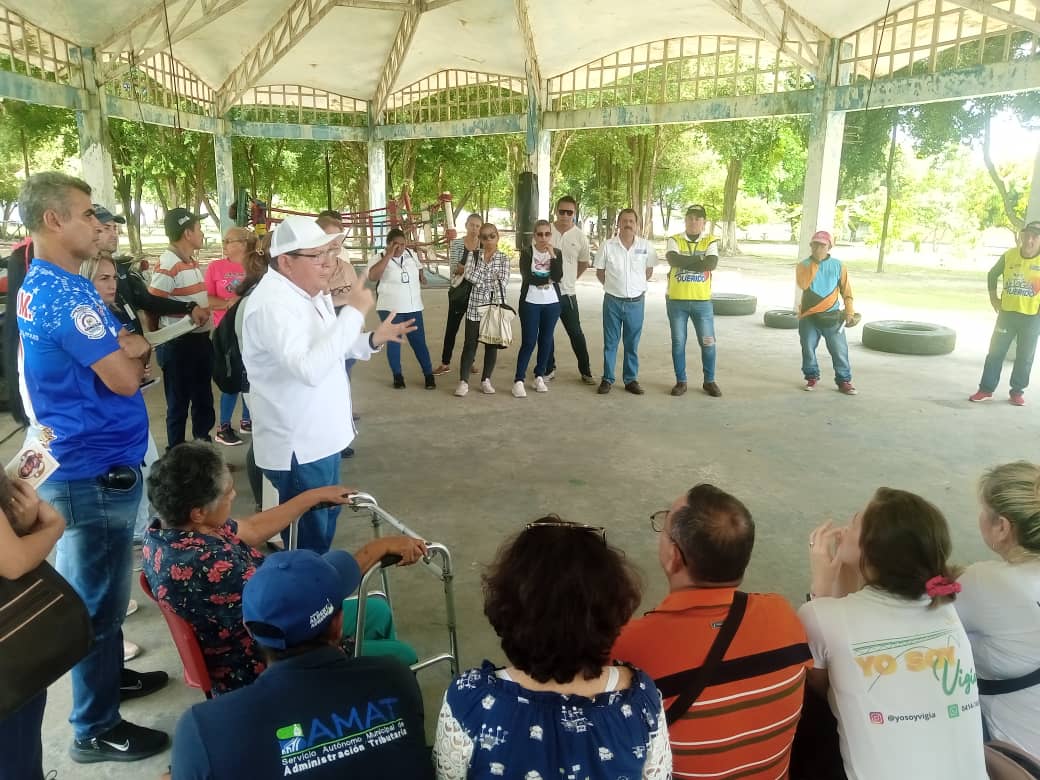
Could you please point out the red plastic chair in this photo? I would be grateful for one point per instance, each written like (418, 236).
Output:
(195, 673)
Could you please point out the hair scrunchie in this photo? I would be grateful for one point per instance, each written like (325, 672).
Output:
(940, 586)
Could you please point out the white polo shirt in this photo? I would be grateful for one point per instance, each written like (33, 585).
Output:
(626, 268)
(574, 246)
(294, 347)
(396, 294)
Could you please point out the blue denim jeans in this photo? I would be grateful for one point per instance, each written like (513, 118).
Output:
(416, 339)
(21, 744)
(537, 323)
(144, 507)
(703, 315)
(622, 321)
(1011, 327)
(810, 333)
(94, 555)
(317, 526)
(227, 407)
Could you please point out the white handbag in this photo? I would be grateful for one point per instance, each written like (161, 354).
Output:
(496, 322)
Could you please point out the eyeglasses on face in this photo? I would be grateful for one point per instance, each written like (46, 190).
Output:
(314, 258)
(544, 234)
(488, 236)
(659, 519)
(233, 241)
(600, 531)
(565, 212)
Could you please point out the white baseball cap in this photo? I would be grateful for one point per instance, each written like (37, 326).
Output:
(297, 232)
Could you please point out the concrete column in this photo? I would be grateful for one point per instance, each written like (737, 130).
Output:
(543, 157)
(823, 161)
(92, 124)
(376, 174)
(1033, 210)
(225, 171)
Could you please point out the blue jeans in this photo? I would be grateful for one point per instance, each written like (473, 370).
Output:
(622, 320)
(317, 526)
(144, 507)
(703, 316)
(1011, 327)
(537, 323)
(94, 555)
(809, 333)
(21, 744)
(416, 339)
(227, 408)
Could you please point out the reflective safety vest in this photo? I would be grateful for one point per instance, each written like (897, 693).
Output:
(1021, 283)
(686, 285)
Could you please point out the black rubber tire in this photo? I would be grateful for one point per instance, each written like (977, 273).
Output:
(784, 319)
(733, 304)
(909, 338)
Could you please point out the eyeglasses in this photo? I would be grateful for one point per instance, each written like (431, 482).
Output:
(565, 212)
(233, 241)
(486, 237)
(659, 519)
(600, 531)
(543, 234)
(313, 258)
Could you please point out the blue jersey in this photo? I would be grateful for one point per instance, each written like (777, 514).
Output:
(65, 328)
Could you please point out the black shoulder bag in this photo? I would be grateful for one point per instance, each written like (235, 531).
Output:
(44, 631)
(700, 681)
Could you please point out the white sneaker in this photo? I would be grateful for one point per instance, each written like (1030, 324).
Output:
(518, 390)
(130, 650)
(462, 389)
(539, 385)
(550, 376)
(131, 607)
(486, 388)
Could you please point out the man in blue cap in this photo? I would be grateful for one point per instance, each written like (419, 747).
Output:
(313, 710)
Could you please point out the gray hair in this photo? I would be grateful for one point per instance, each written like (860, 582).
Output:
(43, 191)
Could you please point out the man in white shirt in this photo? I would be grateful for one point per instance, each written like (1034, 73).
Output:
(623, 266)
(294, 346)
(574, 246)
(187, 361)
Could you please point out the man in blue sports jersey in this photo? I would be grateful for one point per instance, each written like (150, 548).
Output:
(80, 373)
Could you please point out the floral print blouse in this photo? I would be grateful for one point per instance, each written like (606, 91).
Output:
(201, 576)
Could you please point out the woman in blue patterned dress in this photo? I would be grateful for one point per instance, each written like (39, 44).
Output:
(557, 596)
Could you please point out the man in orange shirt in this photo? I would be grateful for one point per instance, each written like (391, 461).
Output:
(743, 721)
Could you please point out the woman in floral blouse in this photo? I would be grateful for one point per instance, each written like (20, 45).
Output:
(197, 559)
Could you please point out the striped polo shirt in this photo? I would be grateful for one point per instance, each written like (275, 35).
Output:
(743, 723)
(181, 280)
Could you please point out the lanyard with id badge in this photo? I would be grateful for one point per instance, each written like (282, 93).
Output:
(405, 278)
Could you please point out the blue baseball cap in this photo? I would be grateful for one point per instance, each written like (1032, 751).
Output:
(295, 594)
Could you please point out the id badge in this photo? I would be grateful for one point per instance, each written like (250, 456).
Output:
(405, 278)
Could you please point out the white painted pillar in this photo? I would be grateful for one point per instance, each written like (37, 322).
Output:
(1033, 210)
(823, 160)
(376, 174)
(543, 158)
(225, 175)
(92, 124)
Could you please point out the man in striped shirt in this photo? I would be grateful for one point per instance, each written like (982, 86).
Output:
(742, 723)
(187, 361)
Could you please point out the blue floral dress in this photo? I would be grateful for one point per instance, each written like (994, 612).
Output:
(201, 576)
(492, 727)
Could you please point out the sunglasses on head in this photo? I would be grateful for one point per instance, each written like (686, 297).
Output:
(598, 530)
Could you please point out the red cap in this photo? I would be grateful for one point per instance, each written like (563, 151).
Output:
(822, 237)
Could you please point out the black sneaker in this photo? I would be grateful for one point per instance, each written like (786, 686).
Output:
(134, 685)
(348, 452)
(398, 382)
(431, 383)
(125, 742)
(227, 436)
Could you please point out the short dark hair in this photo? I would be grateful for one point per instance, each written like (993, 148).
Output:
(326, 220)
(542, 223)
(558, 595)
(567, 199)
(631, 211)
(43, 191)
(190, 476)
(904, 541)
(272, 655)
(394, 233)
(715, 533)
(331, 214)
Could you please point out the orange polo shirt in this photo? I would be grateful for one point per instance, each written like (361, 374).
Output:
(741, 726)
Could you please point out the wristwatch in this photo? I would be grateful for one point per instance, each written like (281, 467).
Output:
(191, 307)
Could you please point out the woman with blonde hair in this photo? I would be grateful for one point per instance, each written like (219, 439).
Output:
(891, 655)
(1000, 604)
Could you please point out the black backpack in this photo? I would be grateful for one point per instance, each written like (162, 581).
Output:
(229, 372)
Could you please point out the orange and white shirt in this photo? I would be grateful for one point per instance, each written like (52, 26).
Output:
(181, 280)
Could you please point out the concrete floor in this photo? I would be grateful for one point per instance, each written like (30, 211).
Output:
(468, 472)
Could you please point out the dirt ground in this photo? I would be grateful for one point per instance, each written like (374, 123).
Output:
(468, 472)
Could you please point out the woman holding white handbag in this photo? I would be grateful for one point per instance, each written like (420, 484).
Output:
(489, 275)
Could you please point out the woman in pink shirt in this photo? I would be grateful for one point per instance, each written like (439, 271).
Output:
(223, 277)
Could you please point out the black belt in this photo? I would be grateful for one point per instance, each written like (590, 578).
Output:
(997, 687)
(627, 300)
